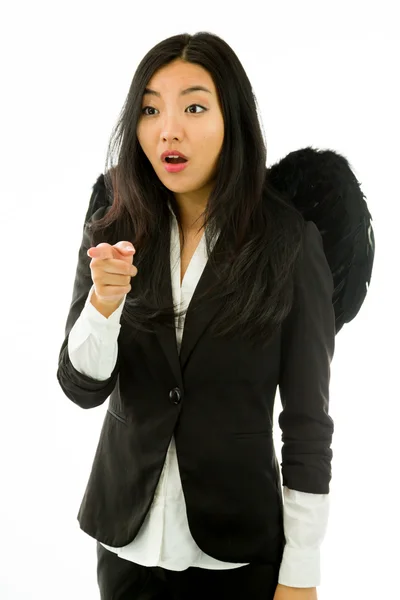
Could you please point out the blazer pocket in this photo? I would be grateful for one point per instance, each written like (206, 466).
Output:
(250, 434)
(116, 415)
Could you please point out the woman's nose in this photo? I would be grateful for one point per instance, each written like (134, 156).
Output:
(172, 126)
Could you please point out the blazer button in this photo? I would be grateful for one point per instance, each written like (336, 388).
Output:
(175, 395)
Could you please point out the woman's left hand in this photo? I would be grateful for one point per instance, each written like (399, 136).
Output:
(284, 592)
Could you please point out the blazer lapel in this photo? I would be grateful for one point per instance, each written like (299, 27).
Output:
(199, 314)
(166, 333)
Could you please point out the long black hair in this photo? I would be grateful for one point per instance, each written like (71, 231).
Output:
(261, 233)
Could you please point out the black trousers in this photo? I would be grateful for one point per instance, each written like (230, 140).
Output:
(120, 579)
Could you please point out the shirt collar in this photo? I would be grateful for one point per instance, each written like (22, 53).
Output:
(170, 209)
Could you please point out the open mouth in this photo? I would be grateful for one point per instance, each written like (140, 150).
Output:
(176, 160)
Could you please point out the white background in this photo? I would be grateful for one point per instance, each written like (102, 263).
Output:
(326, 75)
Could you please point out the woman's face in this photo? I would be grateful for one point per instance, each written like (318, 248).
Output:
(191, 122)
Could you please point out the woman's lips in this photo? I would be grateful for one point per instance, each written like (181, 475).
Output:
(175, 168)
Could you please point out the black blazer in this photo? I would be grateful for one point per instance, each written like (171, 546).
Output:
(217, 398)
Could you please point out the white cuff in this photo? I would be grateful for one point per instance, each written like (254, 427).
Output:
(305, 519)
(93, 341)
(300, 568)
(95, 317)
(92, 323)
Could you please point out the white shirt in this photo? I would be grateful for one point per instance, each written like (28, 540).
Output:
(164, 539)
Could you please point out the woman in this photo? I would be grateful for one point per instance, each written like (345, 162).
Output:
(206, 290)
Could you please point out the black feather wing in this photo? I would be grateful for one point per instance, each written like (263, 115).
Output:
(324, 188)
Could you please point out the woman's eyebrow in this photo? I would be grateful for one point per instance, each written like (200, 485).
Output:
(189, 90)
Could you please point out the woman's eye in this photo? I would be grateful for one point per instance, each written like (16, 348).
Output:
(197, 105)
(191, 106)
(147, 107)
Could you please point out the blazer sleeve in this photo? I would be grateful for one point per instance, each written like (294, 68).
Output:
(307, 348)
(83, 390)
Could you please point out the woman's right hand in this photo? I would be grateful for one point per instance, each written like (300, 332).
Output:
(112, 268)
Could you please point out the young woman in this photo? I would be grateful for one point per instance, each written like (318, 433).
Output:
(199, 291)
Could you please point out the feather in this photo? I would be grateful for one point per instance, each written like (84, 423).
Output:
(323, 187)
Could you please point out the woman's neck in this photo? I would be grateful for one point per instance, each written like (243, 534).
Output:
(191, 208)
(191, 216)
